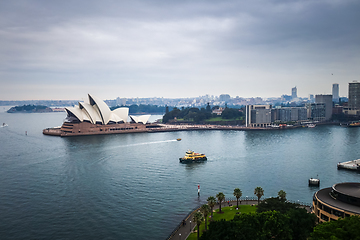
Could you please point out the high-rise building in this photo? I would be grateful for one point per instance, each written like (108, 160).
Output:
(316, 111)
(224, 97)
(258, 115)
(293, 93)
(311, 98)
(335, 92)
(327, 100)
(354, 96)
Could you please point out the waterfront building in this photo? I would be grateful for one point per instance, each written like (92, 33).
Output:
(327, 100)
(265, 115)
(218, 111)
(335, 92)
(339, 201)
(95, 117)
(258, 115)
(353, 107)
(287, 114)
(316, 111)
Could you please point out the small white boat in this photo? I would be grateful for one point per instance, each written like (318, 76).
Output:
(314, 182)
(311, 125)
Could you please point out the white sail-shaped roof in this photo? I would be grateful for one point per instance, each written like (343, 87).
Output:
(115, 118)
(97, 112)
(91, 112)
(140, 119)
(122, 112)
(103, 109)
(76, 112)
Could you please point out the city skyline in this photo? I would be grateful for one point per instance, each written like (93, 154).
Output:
(60, 50)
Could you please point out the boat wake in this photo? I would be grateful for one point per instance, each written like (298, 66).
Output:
(147, 143)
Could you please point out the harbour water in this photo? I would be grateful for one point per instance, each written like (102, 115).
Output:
(132, 186)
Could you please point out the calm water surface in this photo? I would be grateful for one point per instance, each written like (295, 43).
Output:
(133, 187)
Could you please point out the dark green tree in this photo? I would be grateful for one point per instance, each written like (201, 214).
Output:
(301, 223)
(342, 229)
(259, 192)
(205, 209)
(211, 202)
(267, 225)
(220, 196)
(198, 218)
(282, 195)
(208, 108)
(237, 194)
(275, 204)
(231, 113)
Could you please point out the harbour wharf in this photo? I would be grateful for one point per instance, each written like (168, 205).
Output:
(352, 165)
(151, 128)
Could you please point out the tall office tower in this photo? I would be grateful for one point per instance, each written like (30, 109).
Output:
(327, 99)
(293, 93)
(311, 97)
(335, 92)
(354, 96)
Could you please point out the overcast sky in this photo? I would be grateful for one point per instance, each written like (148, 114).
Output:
(116, 48)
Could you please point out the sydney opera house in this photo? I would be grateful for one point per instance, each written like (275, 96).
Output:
(95, 117)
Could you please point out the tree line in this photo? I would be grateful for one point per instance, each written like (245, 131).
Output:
(143, 108)
(29, 108)
(200, 115)
(275, 218)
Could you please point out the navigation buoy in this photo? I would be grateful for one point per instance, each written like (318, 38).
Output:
(198, 189)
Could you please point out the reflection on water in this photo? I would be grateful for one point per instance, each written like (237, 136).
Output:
(132, 186)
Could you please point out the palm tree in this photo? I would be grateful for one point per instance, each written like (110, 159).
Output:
(259, 192)
(282, 195)
(211, 202)
(237, 194)
(220, 196)
(198, 218)
(205, 209)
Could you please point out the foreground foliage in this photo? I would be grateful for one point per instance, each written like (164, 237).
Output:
(196, 115)
(228, 213)
(342, 229)
(276, 204)
(275, 219)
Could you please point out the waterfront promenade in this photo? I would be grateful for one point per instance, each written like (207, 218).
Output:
(184, 229)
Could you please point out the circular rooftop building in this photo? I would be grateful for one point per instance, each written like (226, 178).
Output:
(339, 201)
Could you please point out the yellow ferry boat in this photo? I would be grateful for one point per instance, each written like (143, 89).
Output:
(354, 124)
(191, 157)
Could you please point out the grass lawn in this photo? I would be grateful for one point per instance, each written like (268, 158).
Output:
(220, 119)
(228, 214)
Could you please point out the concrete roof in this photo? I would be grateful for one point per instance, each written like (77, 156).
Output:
(324, 196)
(348, 188)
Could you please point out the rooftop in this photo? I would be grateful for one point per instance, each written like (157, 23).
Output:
(349, 189)
(324, 196)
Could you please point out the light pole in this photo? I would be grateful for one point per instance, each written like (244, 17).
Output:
(180, 236)
(190, 226)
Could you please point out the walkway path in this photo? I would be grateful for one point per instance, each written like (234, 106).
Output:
(184, 231)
